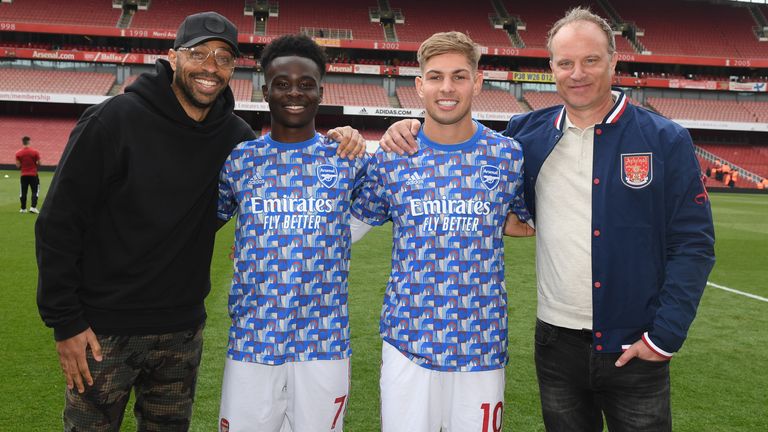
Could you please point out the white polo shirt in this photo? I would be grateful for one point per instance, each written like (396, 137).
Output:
(563, 229)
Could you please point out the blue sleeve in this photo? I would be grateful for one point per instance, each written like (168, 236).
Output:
(690, 241)
(361, 173)
(227, 203)
(516, 176)
(371, 204)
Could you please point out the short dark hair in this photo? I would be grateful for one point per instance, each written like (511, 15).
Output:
(25, 140)
(294, 45)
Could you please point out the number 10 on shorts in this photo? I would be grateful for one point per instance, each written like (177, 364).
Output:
(496, 420)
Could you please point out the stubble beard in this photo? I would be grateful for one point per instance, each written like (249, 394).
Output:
(189, 95)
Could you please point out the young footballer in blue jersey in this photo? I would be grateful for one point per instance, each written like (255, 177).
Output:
(287, 364)
(444, 318)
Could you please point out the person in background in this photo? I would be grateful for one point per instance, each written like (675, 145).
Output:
(726, 170)
(28, 161)
(718, 171)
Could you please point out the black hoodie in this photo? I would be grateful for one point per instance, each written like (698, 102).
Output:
(125, 236)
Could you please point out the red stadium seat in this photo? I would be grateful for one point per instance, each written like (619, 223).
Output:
(539, 100)
(750, 157)
(422, 19)
(538, 18)
(344, 14)
(242, 89)
(354, 95)
(709, 109)
(168, 14)
(81, 12)
(714, 30)
(55, 81)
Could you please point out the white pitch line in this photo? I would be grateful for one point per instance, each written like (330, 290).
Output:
(724, 288)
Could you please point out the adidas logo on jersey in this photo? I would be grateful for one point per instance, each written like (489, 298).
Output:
(416, 179)
(256, 180)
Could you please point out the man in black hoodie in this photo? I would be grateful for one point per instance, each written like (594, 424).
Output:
(126, 234)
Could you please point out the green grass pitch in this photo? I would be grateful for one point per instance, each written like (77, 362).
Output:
(719, 378)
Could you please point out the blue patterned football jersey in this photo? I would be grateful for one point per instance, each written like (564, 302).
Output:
(288, 299)
(445, 306)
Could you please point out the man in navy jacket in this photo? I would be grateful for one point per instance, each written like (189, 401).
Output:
(625, 240)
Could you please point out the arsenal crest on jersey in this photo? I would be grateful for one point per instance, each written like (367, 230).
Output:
(637, 169)
(490, 176)
(328, 175)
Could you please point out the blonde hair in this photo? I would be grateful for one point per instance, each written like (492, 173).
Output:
(582, 14)
(449, 42)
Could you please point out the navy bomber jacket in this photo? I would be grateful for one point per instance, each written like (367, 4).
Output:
(652, 233)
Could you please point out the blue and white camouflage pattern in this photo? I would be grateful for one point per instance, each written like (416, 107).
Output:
(288, 299)
(445, 305)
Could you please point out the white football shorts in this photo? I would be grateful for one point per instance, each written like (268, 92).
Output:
(309, 396)
(414, 398)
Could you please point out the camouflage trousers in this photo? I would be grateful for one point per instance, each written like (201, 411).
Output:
(162, 371)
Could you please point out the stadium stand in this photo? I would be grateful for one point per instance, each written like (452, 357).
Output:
(167, 14)
(699, 28)
(80, 47)
(702, 30)
(539, 100)
(49, 136)
(538, 19)
(661, 75)
(242, 89)
(710, 181)
(354, 95)
(749, 157)
(32, 45)
(408, 97)
(623, 45)
(422, 20)
(345, 14)
(70, 47)
(707, 109)
(491, 100)
(759, 109)
(81, 12)
(55, 81)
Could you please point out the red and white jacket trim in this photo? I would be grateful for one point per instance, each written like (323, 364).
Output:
(620, 104)
(654, 348)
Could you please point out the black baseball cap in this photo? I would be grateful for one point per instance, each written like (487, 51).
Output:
(205, 26)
